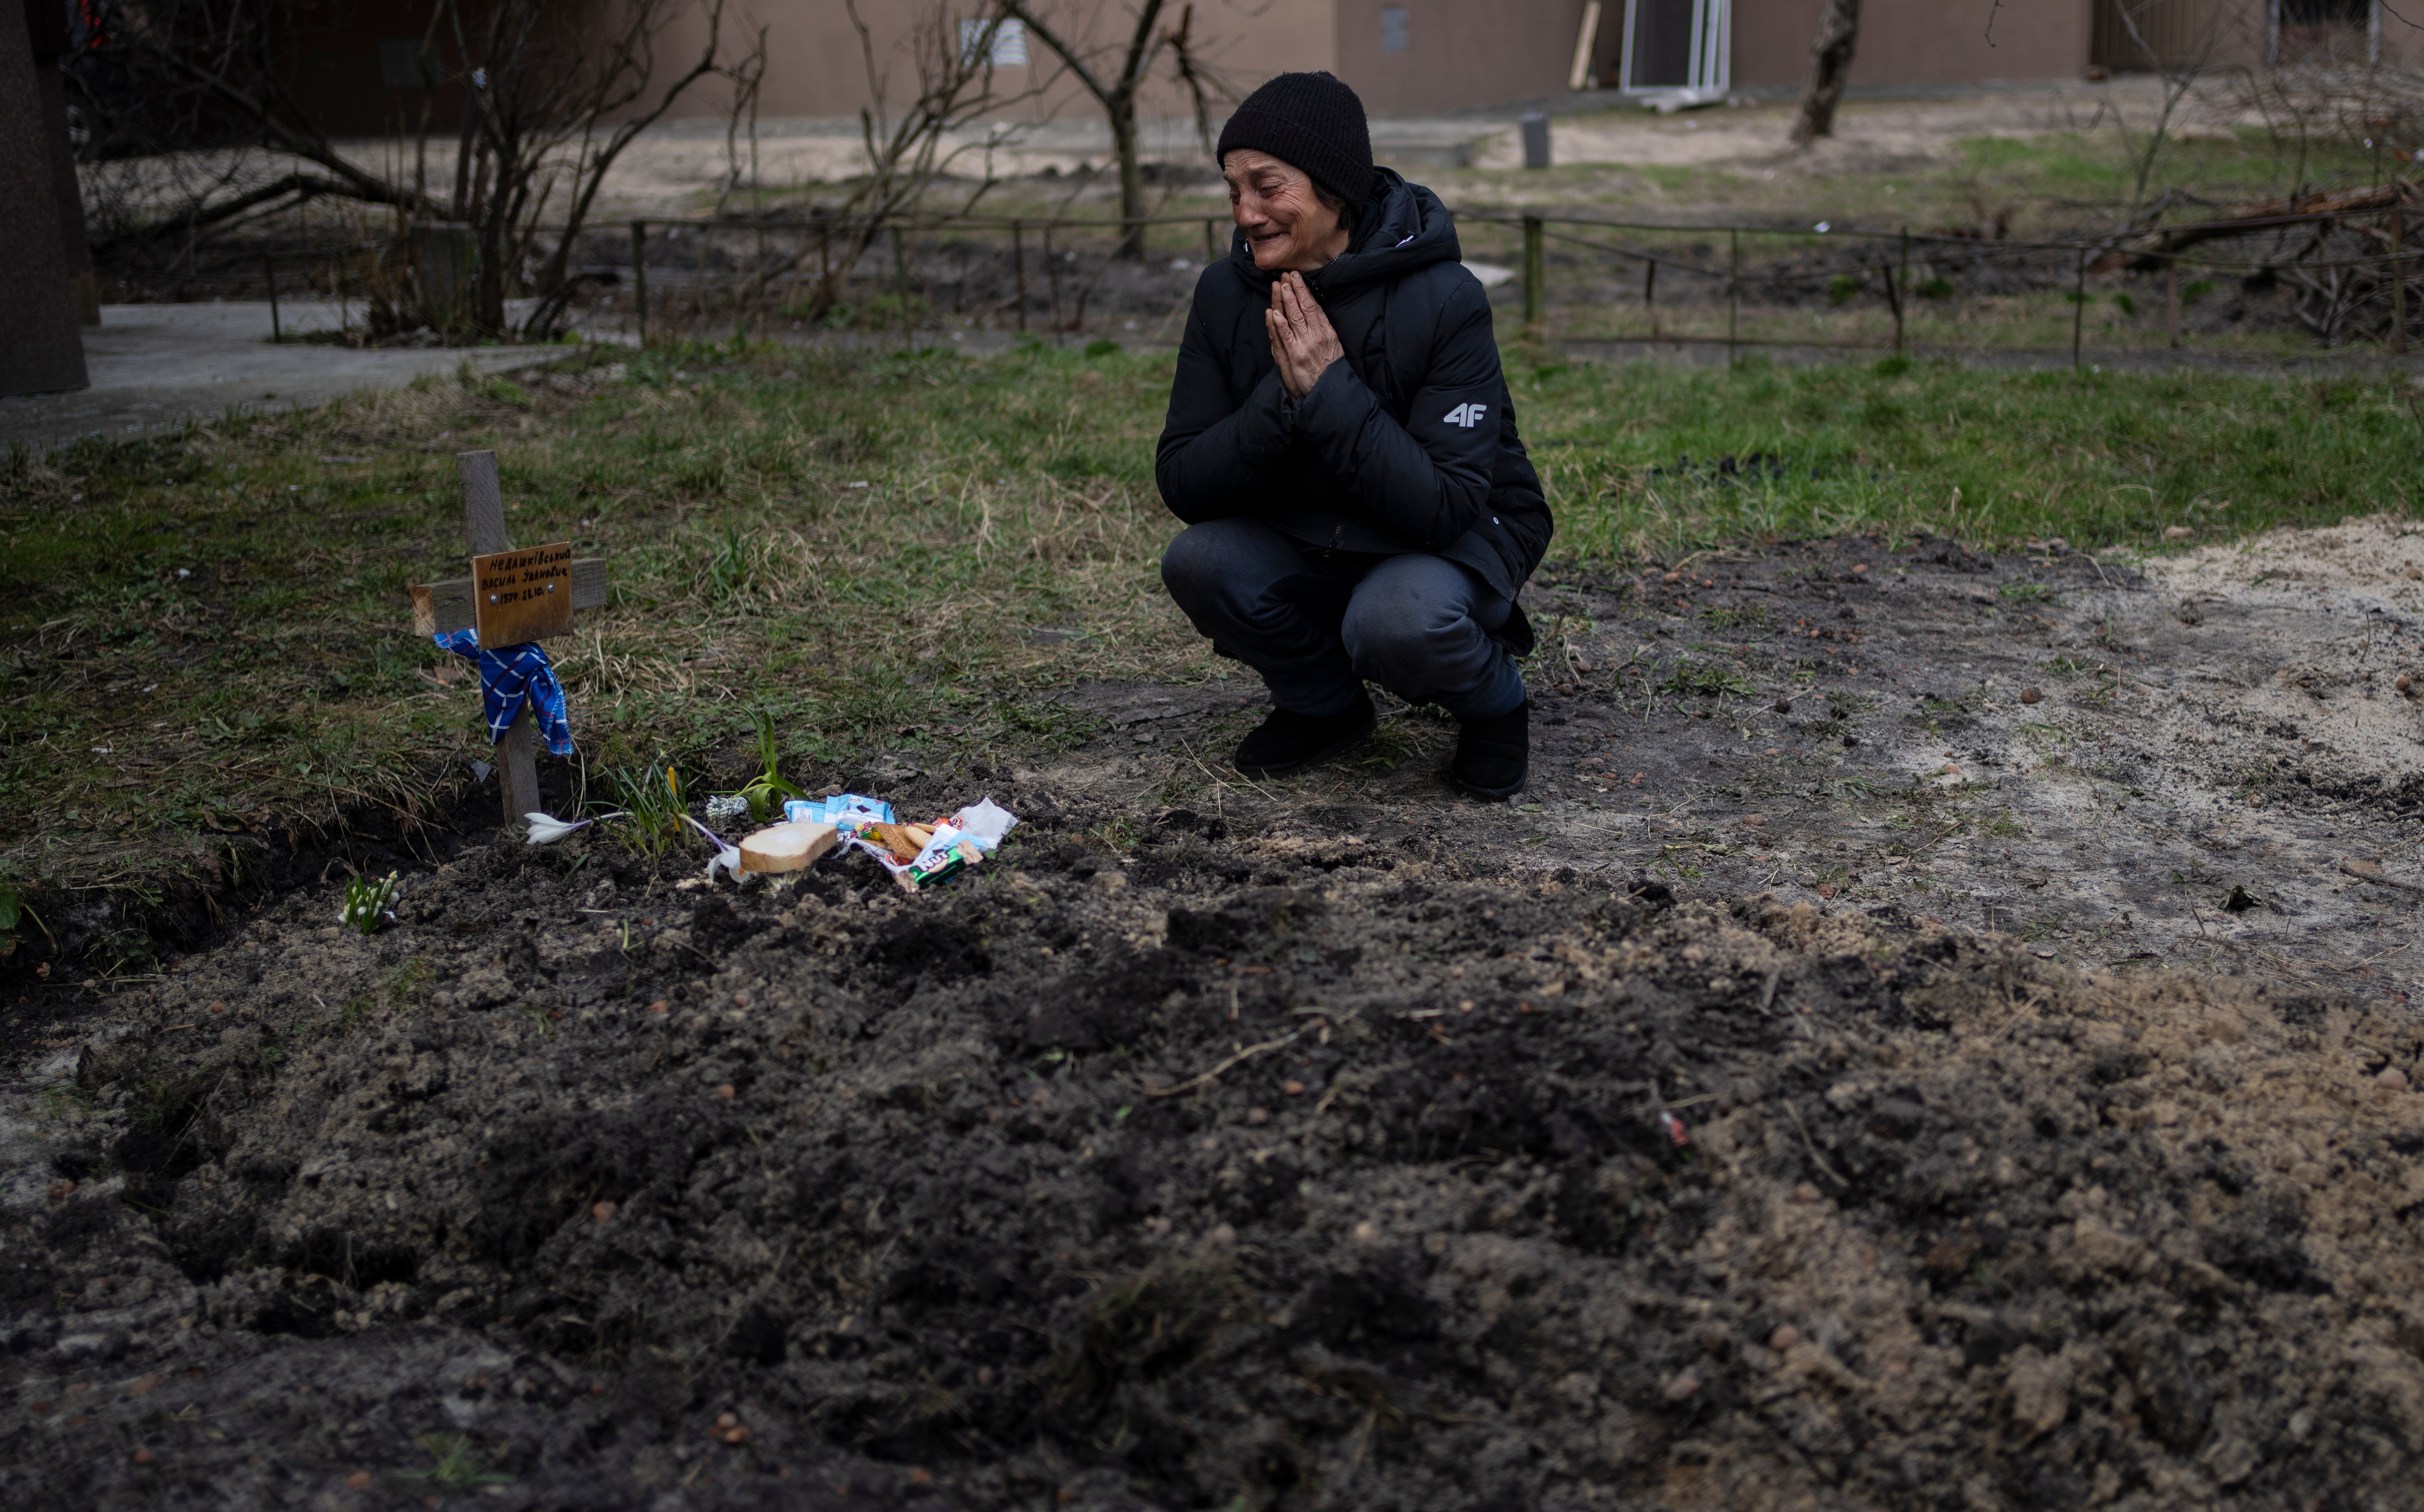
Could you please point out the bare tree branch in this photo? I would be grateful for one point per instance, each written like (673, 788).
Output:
(294, 188)
(540, 89)
(906, 154)
(1119, 97)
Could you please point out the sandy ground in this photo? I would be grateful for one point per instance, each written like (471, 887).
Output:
(670, 171)
(1871, 134)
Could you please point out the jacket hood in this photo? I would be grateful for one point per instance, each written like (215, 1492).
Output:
(1403, 226)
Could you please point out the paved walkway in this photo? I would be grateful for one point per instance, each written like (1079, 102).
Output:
(154, 366)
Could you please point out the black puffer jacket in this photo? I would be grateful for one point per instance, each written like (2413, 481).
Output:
(1407, 445)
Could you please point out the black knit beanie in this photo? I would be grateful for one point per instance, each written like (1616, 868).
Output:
(1312, 121)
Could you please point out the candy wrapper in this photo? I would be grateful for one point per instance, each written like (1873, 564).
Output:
(944, 848)
(843, 811)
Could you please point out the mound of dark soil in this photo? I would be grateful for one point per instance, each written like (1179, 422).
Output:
(1242, 1173)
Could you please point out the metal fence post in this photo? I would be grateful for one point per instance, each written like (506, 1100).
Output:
(1211, 241)
(1536, 298)
(1904, 292)
(1019, 266)
(639, 280)
(1649, 295)
(2398, 276)
(1893, 300)
(2172, 301)
(269, 271)
(1733, 293)
(2078, 309)
(1052, 278)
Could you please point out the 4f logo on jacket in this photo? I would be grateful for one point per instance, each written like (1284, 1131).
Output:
(1467, 416)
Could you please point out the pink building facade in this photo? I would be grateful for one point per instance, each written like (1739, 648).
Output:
(1407, 57)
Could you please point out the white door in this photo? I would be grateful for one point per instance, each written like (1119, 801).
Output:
(1678, 44)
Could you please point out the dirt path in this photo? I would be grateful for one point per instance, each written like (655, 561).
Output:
(1330, 1144)
(672, 171)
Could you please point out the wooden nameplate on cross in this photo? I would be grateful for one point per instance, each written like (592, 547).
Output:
(511, 596)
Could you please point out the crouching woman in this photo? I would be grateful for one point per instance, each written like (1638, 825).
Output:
(1341, 446)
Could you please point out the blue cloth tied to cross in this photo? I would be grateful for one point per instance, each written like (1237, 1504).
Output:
(509, 677)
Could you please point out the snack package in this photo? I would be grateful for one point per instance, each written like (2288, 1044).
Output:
(951, 845)
(843, 811)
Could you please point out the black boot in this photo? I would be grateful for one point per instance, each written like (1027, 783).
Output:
(1289, 743)
(1494, 757)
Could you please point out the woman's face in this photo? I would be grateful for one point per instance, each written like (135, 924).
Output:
(1284, 222)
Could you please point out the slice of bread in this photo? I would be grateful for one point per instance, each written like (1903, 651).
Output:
(791, 847)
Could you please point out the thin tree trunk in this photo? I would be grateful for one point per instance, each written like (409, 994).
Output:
(1123, 144)
(1830, 65)
(488, 303)
(1118, 98)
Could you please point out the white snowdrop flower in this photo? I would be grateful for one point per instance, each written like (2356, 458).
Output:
(546, 829)
(728, 857)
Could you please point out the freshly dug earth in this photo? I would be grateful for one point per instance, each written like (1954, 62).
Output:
(2216, 763)
(1229, 1171)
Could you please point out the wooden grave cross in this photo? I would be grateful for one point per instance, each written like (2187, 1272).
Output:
(511, 596)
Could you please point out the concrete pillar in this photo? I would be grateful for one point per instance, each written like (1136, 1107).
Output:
(40, 349)
(46, 23)
(446, 257)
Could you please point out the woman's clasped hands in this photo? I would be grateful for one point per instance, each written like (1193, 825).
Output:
(1302, 342)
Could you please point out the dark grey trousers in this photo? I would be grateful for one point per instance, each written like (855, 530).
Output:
(1316, 624)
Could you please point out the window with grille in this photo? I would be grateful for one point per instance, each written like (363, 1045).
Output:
(1009, 49)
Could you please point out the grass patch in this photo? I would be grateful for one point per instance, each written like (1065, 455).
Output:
(2100, 459)
(1747, 617)
(1706, 680)
(205, 629)
(2079, 167)
(456, 1464)
(2048, 180)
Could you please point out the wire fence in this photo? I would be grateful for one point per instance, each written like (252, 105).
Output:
(2339, 277)
(2295, 280)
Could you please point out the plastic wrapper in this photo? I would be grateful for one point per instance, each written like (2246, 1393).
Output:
(955, 844)
(843, 811)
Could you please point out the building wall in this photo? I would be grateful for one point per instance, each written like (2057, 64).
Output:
(1457, 52)
(817, 66)
(1918, 41)
(815, 63)
(2217, 33)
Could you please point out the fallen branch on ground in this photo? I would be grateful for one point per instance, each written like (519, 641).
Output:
(1206, 1078)
(2368, 871)
(2150, 249)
